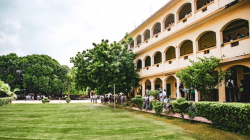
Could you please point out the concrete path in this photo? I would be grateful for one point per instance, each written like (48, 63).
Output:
(176, 115)
(53, 101)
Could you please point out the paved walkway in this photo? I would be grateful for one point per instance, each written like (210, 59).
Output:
(54, 101)
(176, 115)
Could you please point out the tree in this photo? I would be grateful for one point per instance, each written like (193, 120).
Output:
(10, 70)
(42, 74)
(105, 65)
(203, 75)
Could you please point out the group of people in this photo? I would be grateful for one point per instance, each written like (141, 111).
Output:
(239, 36)
(204, 4)
(170, 24)
(93, 98)
(190, 92)
(188, 13)
(157, 31)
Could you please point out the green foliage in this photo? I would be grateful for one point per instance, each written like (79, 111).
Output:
(138, 100)
(6, 89)
(192, 113)
(226, 116)
(182, 105)
(203, 75)
(158, 107)
(5, 101)
(45, 100)
(68, 100)
(104, 65)
(154, 93)
(151, 103)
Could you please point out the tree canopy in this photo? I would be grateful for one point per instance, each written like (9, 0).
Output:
(104, 65)
(35, 73)
(203, 75)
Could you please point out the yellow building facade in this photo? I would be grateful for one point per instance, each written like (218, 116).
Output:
(188, 29)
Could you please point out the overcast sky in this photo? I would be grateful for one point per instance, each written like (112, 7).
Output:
(61, 28)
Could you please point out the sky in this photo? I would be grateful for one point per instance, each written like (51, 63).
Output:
(61, 28)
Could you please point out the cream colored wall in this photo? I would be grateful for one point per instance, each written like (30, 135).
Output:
(215, 25)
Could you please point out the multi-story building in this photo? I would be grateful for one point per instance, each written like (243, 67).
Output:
(188, 29)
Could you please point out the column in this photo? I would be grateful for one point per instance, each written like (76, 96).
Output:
(152, 85)
(177, 50)
(222, 92)
(178, 84)
(219, 41)
(195, 49)
(196, 96)
(143, 89)
(240, 76)
(152, 61)
(163, 84)
(163, 60)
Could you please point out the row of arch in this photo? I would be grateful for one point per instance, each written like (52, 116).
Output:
(169, 20)
(205, 40)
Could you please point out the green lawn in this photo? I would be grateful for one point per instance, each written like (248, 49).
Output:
(87, 121)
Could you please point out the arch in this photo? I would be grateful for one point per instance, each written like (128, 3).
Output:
(206, 39)
(201, 3)
(170, 53)
(169, 20)
(156, 28)
(232, 28)
(158, 83)
(185, 9)
(138, 40)
(147, 61)
(147, 84)
(146, 34)
(139, 64)
(157, 57)
(186, 47)
(240, 75)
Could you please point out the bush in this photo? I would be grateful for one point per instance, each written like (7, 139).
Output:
(158, 107)
(45, 100)
(182, 105)
(5, 101)
(154, 93)
(67, 100)
(192, 113)
(226, 116)
(138, 100)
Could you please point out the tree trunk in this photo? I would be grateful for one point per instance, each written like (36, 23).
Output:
(69, 88)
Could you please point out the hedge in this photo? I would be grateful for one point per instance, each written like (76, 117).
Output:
(5, 101)
(226, 116)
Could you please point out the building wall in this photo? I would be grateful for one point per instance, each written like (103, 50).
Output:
(214, 19)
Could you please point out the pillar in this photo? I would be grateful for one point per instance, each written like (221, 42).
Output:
(196, 96)
(219, 41)
(143, 89)
(178, 84)
(152, 61)
(222, 92)
(152, 85)
(240, 76)
(163, 84)
(177, 51)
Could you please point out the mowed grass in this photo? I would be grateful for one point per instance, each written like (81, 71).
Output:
(94, 121)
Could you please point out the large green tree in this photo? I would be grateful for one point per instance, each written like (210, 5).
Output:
(105, 65)
(42, 74)
(10, 70)
(203, 75)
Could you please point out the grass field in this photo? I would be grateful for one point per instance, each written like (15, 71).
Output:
(87, 121)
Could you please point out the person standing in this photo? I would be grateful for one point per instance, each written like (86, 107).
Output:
(95, 98)
(146, 102)
(181, 89)
(164, 93)
(122, 100)
(147, 91)
(165, 103)
(159, 96)
(192, 94)
(91, 98)
(169, 100)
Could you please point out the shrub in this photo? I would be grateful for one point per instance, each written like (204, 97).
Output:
(154, 93)
(192, 113)
(45, 100)
(158, 107)
(226, 116)
(138, 100)
(67, 100)
(5, 101)
(182, 105)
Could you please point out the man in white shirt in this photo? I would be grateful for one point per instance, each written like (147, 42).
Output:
(164, 93)
(91, 98)
(160, 95)
(147, 91)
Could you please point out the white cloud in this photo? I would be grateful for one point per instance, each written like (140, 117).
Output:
(61, 28)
